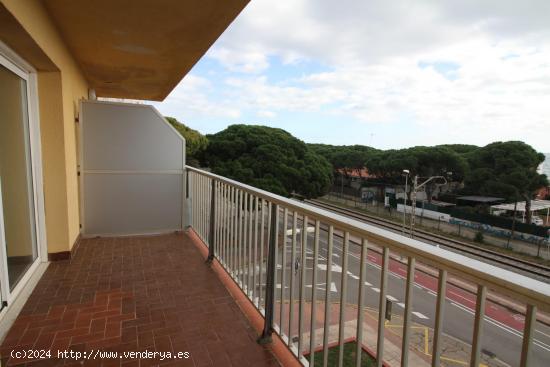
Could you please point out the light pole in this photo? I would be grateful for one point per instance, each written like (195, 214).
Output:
(342, 184)
(406, 172)
(417, 186)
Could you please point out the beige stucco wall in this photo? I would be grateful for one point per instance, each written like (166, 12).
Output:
(59, 94)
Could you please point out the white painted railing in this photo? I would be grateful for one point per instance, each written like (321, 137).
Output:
(275, 249)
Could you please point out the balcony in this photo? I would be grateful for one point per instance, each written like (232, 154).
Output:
(309, 281)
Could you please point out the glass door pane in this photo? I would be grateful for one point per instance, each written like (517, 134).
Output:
(16, 177)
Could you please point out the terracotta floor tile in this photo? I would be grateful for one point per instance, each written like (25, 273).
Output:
(134, 294)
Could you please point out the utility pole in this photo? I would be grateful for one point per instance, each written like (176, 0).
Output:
(406, 172)
(416, 187)
(413, 204)
(342, 184)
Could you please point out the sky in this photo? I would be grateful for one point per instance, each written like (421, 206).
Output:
(388, 74)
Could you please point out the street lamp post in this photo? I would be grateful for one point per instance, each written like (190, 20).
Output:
(416, 187)
(406, 172)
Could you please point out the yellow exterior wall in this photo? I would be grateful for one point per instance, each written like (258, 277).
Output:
(59, 94)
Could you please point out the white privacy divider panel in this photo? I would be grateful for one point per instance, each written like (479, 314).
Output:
(132, 170)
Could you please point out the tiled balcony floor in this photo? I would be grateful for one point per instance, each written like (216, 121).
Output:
(134, 294)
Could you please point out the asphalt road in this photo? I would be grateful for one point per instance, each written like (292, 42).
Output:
(500, 339)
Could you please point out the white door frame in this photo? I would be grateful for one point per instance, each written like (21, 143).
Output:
(11, 61)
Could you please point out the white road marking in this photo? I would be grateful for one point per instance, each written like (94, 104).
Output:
(333, 287)
(391, 298)
(432, 293)
(319, 287)
(368, 284)
(461, 296)
(420, 315)
(335, 268)
(465, 309)
(377, 290)
(299, 230)
(353, 275)
(401, 304)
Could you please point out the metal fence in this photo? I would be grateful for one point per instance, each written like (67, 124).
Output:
(319, 278)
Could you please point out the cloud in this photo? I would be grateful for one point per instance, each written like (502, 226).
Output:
(247, 61)
(267, 114)
(477, 69)
(193, 98)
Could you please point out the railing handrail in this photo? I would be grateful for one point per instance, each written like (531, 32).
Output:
(529, 290)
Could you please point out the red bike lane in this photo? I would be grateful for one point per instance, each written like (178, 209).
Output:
(455, 294)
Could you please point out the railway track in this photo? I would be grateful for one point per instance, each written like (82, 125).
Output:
(528, 268)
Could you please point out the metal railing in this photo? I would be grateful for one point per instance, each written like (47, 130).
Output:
(277, 249)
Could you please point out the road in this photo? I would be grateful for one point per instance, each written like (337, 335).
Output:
(502, 328)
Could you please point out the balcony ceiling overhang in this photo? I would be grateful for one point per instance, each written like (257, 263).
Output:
(140, 49)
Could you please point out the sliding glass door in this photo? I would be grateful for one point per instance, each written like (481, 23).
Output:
(18, 236)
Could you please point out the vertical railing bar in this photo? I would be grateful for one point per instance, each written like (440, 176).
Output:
(245, 243)
(270, 281)
(528, 330)
(217, 221)
(438, 331)
(236, 236)
(250, 253)
(199, 206)
(203, 209)
(326, 330)
(361, 303)
(198, 198)
(225, 225)
(478, 326)
(302, 286)
(206, 193)
(195, 199)
(260, 276)
(283, 270)
(313, 326)
(221, 225)
(408, 312)
(207, 211)
(196, 219)
(343, 300)
(240, 240)
(382, 308)
(269, 229)
(237, 233)
(212, 222)
(230, 231)
(255, 294)
(292, 276)
(235, 209)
